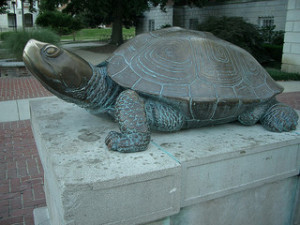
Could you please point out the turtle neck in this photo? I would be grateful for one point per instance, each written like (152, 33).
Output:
(101, 91)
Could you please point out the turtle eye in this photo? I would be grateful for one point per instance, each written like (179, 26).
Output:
(51, 51)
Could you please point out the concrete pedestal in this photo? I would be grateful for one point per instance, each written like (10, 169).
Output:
(227, 174)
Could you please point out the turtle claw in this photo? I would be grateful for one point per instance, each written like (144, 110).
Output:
(112, 139)
(126, 143)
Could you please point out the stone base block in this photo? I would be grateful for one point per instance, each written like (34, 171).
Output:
(41, 216)
(227, 174)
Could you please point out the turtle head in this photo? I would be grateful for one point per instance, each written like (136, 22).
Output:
(63, 73)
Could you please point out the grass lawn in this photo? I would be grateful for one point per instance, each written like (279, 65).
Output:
(102, 34)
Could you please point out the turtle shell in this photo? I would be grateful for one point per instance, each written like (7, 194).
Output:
(190, 66)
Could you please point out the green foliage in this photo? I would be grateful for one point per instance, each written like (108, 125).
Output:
(277, 74)
(17, 40)
(278, 38)
(165, 26)
(275, 51)
(118, 12)
(3, 6)
(59, 22)
(50, 5)
(238, 32)
(271, 36)
(5, 35)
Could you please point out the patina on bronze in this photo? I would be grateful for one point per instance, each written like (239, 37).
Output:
(165, 80)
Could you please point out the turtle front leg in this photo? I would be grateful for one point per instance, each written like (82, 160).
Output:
(131, 116)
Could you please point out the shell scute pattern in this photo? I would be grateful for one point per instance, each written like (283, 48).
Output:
(191, 66)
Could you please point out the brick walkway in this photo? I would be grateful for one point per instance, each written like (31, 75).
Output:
(21, 88)
(21, 173)
(290, 98)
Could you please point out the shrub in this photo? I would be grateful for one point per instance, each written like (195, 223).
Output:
(271, 36)
(165, 26)
(17, 40)
(275, 51)
(278, 37)
(238, 32)
(277, 74)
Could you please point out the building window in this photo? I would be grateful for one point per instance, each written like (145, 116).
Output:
(28, 20)
(193, 25)
(151, 25)
(11, 18)
(266, 21)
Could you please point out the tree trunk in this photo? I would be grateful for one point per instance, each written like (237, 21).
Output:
(23, 16)
(117, 33)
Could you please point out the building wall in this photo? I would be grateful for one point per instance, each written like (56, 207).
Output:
(291, 48)
(189, 17)
(159, 17)
(4, 23)
(252, 11)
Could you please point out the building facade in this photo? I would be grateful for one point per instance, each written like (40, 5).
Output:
(13, 19)
(291, 47)
(261, 13)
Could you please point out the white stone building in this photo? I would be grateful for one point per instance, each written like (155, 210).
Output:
(291, 48)
(13, 19)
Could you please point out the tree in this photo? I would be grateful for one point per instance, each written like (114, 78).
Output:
(60, 22)
(118, 12)
(3, 6)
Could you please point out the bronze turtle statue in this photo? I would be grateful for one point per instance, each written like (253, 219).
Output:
(166, 80)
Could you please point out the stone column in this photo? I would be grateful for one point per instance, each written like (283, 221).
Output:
(291, 48)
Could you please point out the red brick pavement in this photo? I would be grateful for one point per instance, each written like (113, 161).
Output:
(21, 173)
(21, 88)
(290, 98)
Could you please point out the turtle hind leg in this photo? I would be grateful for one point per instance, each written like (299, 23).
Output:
(163, 117)
(279, 118)
(252, 116)
(135, 131)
